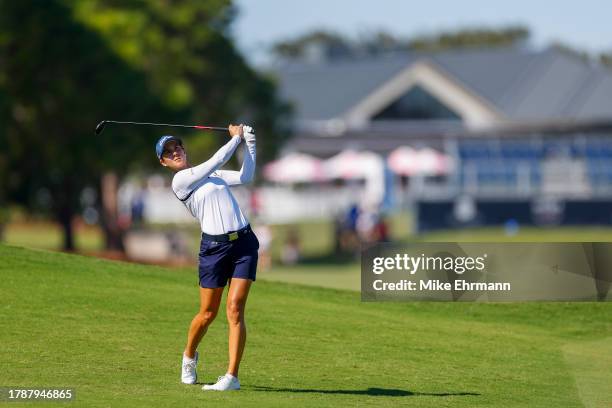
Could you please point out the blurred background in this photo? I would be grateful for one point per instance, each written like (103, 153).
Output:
(376, 122)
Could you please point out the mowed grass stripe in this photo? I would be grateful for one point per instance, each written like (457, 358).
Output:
(115, 332)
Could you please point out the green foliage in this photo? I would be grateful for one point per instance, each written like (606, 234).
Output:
(4, 162)
(59, 81)
(333, 45)
(162, 39)
(66, 65)
(606, 59)
(191, 63)
(571, 51)
(470, 38)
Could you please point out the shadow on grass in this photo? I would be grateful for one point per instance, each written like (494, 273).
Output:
(377, 392)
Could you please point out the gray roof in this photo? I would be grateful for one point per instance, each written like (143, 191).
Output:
(520, 84)
(328, 90)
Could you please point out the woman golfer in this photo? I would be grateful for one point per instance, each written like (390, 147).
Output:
(228, 251)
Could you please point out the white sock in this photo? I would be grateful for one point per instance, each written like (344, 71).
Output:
(188, 359)
(231, 376)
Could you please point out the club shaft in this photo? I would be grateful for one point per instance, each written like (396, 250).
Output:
(200, 127)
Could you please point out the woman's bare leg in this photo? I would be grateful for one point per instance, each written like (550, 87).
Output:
(210, 299)
(236, 301)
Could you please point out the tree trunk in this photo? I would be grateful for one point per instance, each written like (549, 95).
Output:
(65, 216)
(3, 222)
(113, 232)
(64, 213)
(4, 216)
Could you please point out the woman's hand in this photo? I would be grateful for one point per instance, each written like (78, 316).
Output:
(235, 130)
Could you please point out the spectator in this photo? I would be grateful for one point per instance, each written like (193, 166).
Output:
(264, 234)
(137, 208)
(381, 230)
(290, 253)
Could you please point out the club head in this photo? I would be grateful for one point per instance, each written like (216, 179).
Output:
(100, 127)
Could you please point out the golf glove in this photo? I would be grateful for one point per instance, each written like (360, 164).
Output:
(249, 134)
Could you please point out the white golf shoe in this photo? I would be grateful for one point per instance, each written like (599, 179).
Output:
(225, 382)
(188, 373)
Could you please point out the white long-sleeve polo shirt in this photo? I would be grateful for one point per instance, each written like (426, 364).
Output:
(204, 189)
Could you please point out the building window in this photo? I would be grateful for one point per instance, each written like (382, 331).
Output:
(416, 104)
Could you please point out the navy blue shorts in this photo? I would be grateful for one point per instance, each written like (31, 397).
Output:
(220, 261)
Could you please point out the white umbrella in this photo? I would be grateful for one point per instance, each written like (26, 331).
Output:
(350, 164)
(408, 162)
(403, 160)
(294, 168)
(432, 162)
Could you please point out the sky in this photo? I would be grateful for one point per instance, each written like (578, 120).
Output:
(584, 24)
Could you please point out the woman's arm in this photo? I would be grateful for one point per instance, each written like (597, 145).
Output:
(185, 181)
(247, 171)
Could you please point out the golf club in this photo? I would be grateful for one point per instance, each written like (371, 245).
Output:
(101, 125)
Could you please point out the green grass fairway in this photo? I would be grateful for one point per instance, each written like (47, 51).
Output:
(115, 332)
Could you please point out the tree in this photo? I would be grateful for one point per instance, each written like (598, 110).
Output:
(331, 45)
(606, 59)
(570, 51)
(68, 64)
(4, 179)
(58, 80)
(191, 63)
(470, 38)
(319, 44)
